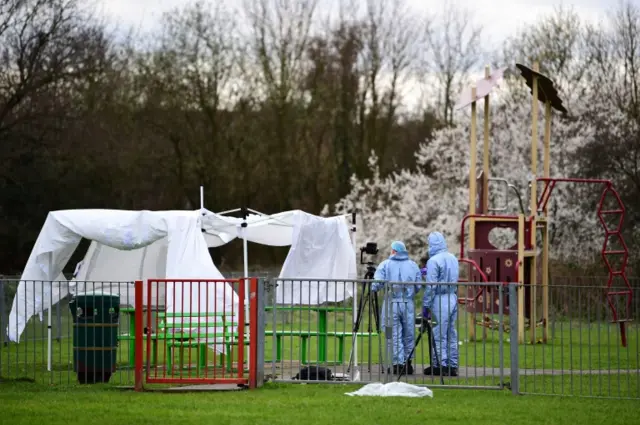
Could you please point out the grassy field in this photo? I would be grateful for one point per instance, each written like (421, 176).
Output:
(294, 404)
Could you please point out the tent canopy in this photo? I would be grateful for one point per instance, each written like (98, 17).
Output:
(187, 256)
(140, 245)
(271, 230)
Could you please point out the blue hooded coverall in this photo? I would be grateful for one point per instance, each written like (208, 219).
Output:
(442, 300)
(399, 268)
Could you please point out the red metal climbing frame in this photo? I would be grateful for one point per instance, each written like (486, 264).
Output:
(472, 300)
(549, 185)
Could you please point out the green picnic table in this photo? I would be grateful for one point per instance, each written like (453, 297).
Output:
(171, 337)
(323, 334)
(130, 312)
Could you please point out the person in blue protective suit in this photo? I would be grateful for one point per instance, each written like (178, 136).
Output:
(440, 302)
(400, 268)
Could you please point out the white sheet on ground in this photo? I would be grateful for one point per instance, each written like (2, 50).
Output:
(392, 389)
(321, 249)
(187, 257)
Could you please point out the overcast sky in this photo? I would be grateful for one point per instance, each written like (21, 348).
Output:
(499, 18)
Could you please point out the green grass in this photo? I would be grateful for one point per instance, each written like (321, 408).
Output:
(295, 404)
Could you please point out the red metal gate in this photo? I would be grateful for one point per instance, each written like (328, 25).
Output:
(195, 331)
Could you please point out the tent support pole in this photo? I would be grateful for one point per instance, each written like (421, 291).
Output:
(201, 197)
(245, 252)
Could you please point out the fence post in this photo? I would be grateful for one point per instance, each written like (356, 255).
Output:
(139, 333)
(513, 319)
(257, 333)
(59, 320)
(501, 332)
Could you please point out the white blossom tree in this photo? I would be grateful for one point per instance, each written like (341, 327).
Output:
(408, 205)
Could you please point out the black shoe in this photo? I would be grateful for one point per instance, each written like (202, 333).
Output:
(406, 369)
(433, 371)
(449, 371)
(397, 369)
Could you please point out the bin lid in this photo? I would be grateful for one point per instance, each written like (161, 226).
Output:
(96, 294)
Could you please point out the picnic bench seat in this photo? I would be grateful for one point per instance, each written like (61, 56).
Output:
(304, 337)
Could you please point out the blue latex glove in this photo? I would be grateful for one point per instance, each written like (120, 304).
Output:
(423, 271)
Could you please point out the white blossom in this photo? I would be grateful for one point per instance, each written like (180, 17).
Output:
(408, 205)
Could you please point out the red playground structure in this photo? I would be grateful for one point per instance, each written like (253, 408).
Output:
(520, 262)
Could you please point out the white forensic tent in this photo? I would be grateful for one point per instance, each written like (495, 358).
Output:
(128, 245)
(179, 232)
(322, 251)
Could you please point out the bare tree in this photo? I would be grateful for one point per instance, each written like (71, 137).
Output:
(556, 42)
(280, 34)
(49, 52)
(43, 43)
(613, 76)
(454, 46)
(192, 85)
(390, 34)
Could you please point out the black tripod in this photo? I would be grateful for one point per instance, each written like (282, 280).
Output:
(425, 326)
(370, 297)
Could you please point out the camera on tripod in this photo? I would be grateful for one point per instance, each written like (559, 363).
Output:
(371, 298)
(371, 248)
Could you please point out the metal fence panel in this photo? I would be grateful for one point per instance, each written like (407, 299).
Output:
(45, 351)
(583, 354)
(319, 324)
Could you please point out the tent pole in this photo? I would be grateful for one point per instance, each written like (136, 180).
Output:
(201, 197)
(246, 272)
(49, 336)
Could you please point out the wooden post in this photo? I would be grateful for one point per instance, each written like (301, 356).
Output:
(473, 194)
(534, 147)
(472, 168)
(485, 156)
(545, 231)
(534, 201)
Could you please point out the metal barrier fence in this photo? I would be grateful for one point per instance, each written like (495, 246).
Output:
(583, 354)
(45, 350)
(369, 337)
(311, 324)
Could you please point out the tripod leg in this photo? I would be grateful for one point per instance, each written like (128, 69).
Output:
(356, 326)
(369, 298)
(376, 318)
(404, 368)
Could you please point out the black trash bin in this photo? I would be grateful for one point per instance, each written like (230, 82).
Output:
(95, 335)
